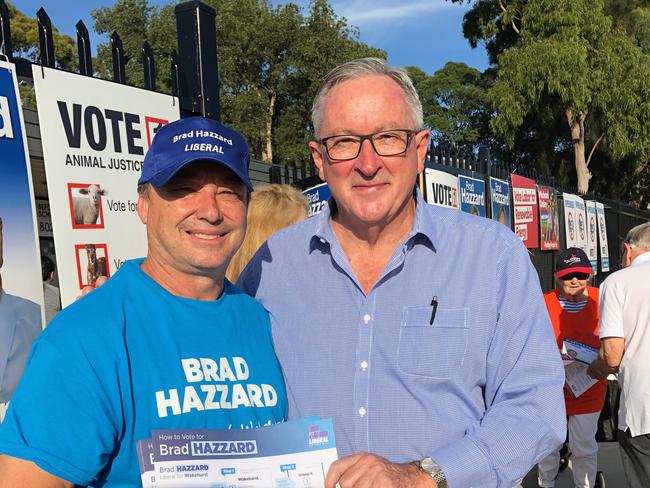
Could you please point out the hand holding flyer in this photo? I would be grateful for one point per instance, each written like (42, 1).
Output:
(290, 454)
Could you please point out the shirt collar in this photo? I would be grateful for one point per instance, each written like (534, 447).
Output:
(423, 226)
(641, 259)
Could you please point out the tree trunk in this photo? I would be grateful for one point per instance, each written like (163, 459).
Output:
(577, 127)
(267, 151)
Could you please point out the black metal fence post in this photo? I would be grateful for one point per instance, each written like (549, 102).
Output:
(119, 61)
(149, 67)
(6, 46)
(83, 49)
(45, 39)
(197, 57)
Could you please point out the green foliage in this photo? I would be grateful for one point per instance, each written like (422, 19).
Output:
(557, 59)
(455, 103)
(24, 37)
(271, 62)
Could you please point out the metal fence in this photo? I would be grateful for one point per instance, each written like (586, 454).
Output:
(619, 217)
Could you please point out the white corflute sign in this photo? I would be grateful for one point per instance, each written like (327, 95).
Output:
(441, 188)
(602, 238)
(95, 134)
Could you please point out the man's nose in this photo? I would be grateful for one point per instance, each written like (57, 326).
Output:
(368, 162)
(208, 205)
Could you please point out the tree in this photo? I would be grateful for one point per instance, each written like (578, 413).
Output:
(572, 53)
(271, 60)
(455, 104)
(25, 44)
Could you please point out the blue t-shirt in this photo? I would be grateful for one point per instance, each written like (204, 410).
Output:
(131, 357)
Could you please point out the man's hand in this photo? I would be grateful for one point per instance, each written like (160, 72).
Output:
(599, 370)
(363, 470)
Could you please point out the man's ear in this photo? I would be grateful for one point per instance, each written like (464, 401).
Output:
(422, 146)
(142, 207)
(315, 149)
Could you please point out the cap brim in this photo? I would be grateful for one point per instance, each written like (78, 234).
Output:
(576, 269)
(161, 178)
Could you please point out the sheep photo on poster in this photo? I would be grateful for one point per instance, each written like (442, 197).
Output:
(92, 262)
(86, 210)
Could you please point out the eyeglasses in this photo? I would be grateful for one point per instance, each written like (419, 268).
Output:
(578, 276)
(385, 143)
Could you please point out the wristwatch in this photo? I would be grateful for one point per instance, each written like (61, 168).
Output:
(430, 467)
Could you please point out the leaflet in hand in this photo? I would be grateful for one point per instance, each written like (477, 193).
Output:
(577, 351)
(577, 379)
(292, 454)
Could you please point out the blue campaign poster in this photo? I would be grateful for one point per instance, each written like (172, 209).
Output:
(20, 266)
(500, 198)
(317, 196)
(472, 195)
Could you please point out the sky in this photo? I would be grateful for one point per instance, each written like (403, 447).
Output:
(422, 33)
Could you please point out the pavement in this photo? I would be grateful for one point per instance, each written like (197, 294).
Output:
(609, 462)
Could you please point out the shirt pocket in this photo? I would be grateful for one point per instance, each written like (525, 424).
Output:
(433, 350)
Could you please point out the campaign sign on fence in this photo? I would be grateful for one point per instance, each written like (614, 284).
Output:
(549, 219)
(20, 264)
(441, 188)
(95, 134)
(524, 197)
(472, 195)
(317, 196)
(592, 234)
(581, 221)
(570, 225)
(602, 238)
(500, 199)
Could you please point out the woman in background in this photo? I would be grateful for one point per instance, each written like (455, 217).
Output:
(272, 207)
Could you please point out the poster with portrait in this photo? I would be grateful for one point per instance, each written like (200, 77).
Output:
(549, 219)
(93, 148)
(602, 237)
(472, 195)
(500, 201)
(524, 198)
(592, 234)
(20, 264)
(570, 226)
(441, 188)
(581, 223)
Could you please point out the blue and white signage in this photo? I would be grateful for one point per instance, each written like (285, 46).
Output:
(317, 196)
(472, 195)
(19, 250)
(500, 200)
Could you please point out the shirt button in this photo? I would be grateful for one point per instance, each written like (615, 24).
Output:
(364, 365)
(366, 318)
(362, 412)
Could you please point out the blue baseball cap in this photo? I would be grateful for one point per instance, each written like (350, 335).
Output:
(185, 141)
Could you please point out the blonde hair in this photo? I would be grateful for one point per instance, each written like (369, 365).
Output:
(271, 208)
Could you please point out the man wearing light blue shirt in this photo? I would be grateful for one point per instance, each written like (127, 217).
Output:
(421, 331)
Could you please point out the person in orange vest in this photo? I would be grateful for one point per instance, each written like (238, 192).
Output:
(573, 309)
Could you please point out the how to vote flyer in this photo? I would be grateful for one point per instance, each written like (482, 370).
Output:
(287, 455)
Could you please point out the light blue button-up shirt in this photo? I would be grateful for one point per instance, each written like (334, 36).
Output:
(479, 390)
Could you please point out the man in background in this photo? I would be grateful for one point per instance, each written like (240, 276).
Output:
(420, 330)
(51, 295)
(20, 324)
(625, 338)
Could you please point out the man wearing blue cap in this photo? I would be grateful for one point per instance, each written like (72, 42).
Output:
(165, 344)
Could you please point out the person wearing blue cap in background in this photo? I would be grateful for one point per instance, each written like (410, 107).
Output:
(167, 343)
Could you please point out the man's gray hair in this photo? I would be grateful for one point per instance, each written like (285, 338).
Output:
(359, 68)
(639, 236)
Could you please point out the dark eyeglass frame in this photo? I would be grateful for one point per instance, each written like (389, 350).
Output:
(578, 275)
(409, 135)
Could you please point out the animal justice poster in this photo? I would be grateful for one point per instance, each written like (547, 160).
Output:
(95, 134)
